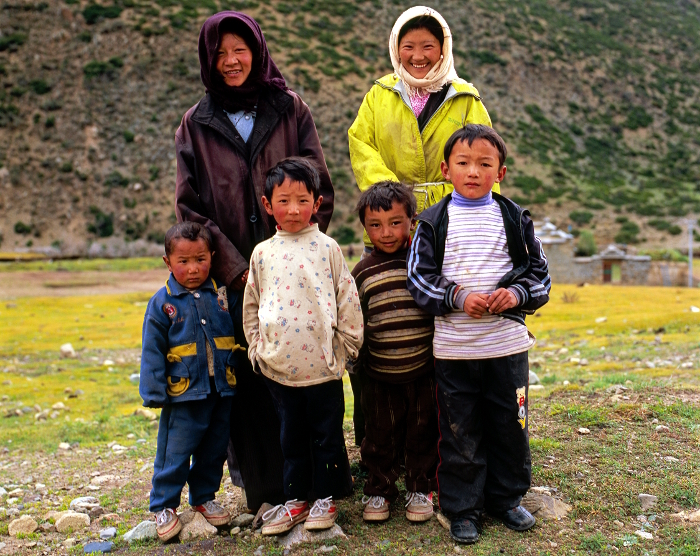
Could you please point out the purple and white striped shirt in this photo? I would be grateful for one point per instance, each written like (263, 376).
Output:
(476, 258)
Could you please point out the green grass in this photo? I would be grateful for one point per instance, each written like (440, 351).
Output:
(74, 265)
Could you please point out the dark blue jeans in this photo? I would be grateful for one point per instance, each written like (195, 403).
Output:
(198, 430)
(484, 446)
(311, 420)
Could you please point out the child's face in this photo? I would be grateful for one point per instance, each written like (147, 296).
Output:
(234, 60)
(389, 230)
(292, 205)
(473, 170)
(419, 52)
(190, 262)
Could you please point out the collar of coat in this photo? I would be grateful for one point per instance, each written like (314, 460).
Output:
(272, 105)
(457, 87)
(176, 289)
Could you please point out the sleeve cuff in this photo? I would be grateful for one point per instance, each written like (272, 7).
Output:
(460, 298)
(517, 292)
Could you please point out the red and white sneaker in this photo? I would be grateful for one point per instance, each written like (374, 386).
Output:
(322, 515)
(283, 517)
(376, 508)
(213, 513)
(419, 506)
(167, 524)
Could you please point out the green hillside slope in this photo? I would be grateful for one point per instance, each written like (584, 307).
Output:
(597, 100)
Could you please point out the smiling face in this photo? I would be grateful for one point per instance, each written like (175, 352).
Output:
(389, 230)
(292, 205)
(419, 51)
(190, 262)
(473, 170)
(234, 60)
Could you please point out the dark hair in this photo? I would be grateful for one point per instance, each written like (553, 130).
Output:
(382, 195)
(191, 231)
(296, 168)
(426, 22)
(472, 132)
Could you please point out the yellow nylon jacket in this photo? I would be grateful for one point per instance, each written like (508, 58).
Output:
(386, 144)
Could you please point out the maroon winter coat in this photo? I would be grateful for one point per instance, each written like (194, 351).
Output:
(221, 178)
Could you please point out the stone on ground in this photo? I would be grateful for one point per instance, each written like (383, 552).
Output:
(242, 520)
(197, 528)
(443, 520)
(257, 522)
(300, 535)
(84, 503)
(544, 507)
(102, 547)
(534, 379)
(692, 517)
(108, 533)
(67, 351)
(647, 501)
(23, 525)
(72, 520)
(144, 530)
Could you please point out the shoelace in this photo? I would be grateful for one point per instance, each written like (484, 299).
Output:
(164, 516)
(417, 498)
(320, 506)
(280, 510)
(375, 502)
(212, 507)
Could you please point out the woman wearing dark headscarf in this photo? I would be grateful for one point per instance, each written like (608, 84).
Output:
(246, 123)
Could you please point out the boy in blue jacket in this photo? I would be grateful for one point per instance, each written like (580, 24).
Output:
(476, 264)
(188, 368)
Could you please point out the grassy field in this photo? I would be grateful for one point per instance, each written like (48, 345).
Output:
(592, 341)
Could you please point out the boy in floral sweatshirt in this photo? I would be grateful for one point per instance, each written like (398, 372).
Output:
(303, 321)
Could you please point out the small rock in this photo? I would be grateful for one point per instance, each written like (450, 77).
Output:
(197, 528)
(671, 459)
(146, 414)
(144, 530)
(69, 543)
(654, 421)
(584, 430)
(583, 362)
(647, 501)
(3, 492)
(23, 525)
(135, 378)
(108, 533)
(108, 363)
(662, 428)
(536, 387)
(47, 528)
(644, 534)
(543, 506)
(72, 520)
(600, 320)
(618, 524)
(84, 503)
(325, 549)
(67, 351)
(59, 406)
(692, 517)
(566, 383)
(235, 531)
(96, 512)
(534, 379)
(300, 535)
(257, 522)
(64, 446)
(119, 448)
(243, 520)
(102, 547)
(258, 551)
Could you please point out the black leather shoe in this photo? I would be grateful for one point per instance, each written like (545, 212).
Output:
(464, 531)
(517, 519)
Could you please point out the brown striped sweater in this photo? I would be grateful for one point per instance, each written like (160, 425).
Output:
(398, 344)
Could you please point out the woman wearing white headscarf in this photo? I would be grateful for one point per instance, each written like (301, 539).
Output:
(407, 116)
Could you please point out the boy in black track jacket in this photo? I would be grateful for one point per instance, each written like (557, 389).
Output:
(476, 264)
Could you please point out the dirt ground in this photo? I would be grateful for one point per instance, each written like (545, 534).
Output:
(64, 283)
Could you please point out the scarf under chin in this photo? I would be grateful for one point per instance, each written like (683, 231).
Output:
(444, 72)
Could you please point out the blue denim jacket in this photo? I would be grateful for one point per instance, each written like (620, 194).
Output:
(177, 325)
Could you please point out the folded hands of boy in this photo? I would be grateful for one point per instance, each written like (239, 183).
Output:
(476, 304)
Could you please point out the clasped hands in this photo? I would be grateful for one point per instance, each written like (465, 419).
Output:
(476, 304)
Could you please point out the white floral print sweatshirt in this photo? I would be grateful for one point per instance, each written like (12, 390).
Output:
(301, 312)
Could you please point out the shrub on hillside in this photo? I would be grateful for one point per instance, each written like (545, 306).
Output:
(22, 229)
(12, 41)
(94, 12)
(115, 179)
(39, 86)
(344, 235)
(628, 233)
(660, 224)
(638, 117)
(103, 225)
(586, 247)
(96, 68)
(580, 217)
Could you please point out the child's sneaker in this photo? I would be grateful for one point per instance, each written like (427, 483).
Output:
(419, 506)
(322, 515)
(213, 513)
(376, 508)
(167, 524)
(283, 517)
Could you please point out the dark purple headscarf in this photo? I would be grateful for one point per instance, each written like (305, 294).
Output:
(263, 74)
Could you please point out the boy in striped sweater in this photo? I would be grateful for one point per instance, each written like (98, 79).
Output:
(395, 363)
(476, 264)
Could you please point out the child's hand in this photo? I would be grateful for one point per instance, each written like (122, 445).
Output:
(500, 300)
(475, 304)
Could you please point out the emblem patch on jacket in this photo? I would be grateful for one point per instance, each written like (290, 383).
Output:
(170, 310)
(522, 414)
(221, 299)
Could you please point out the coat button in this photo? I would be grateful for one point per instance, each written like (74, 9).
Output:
(196, 295)
(253, 218)
(204, 321)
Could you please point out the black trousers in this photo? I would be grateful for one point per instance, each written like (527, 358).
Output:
(401, 424)
(315, 459)
(254, 451)
(484, 446)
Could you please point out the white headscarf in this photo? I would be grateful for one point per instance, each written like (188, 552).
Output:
(443, 72)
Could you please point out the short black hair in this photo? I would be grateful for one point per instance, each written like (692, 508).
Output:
(296, 168)
(382, 195)
(426, 22)
(191, 231)
(472, 132)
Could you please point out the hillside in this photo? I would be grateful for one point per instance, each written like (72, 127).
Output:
(597, 99)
